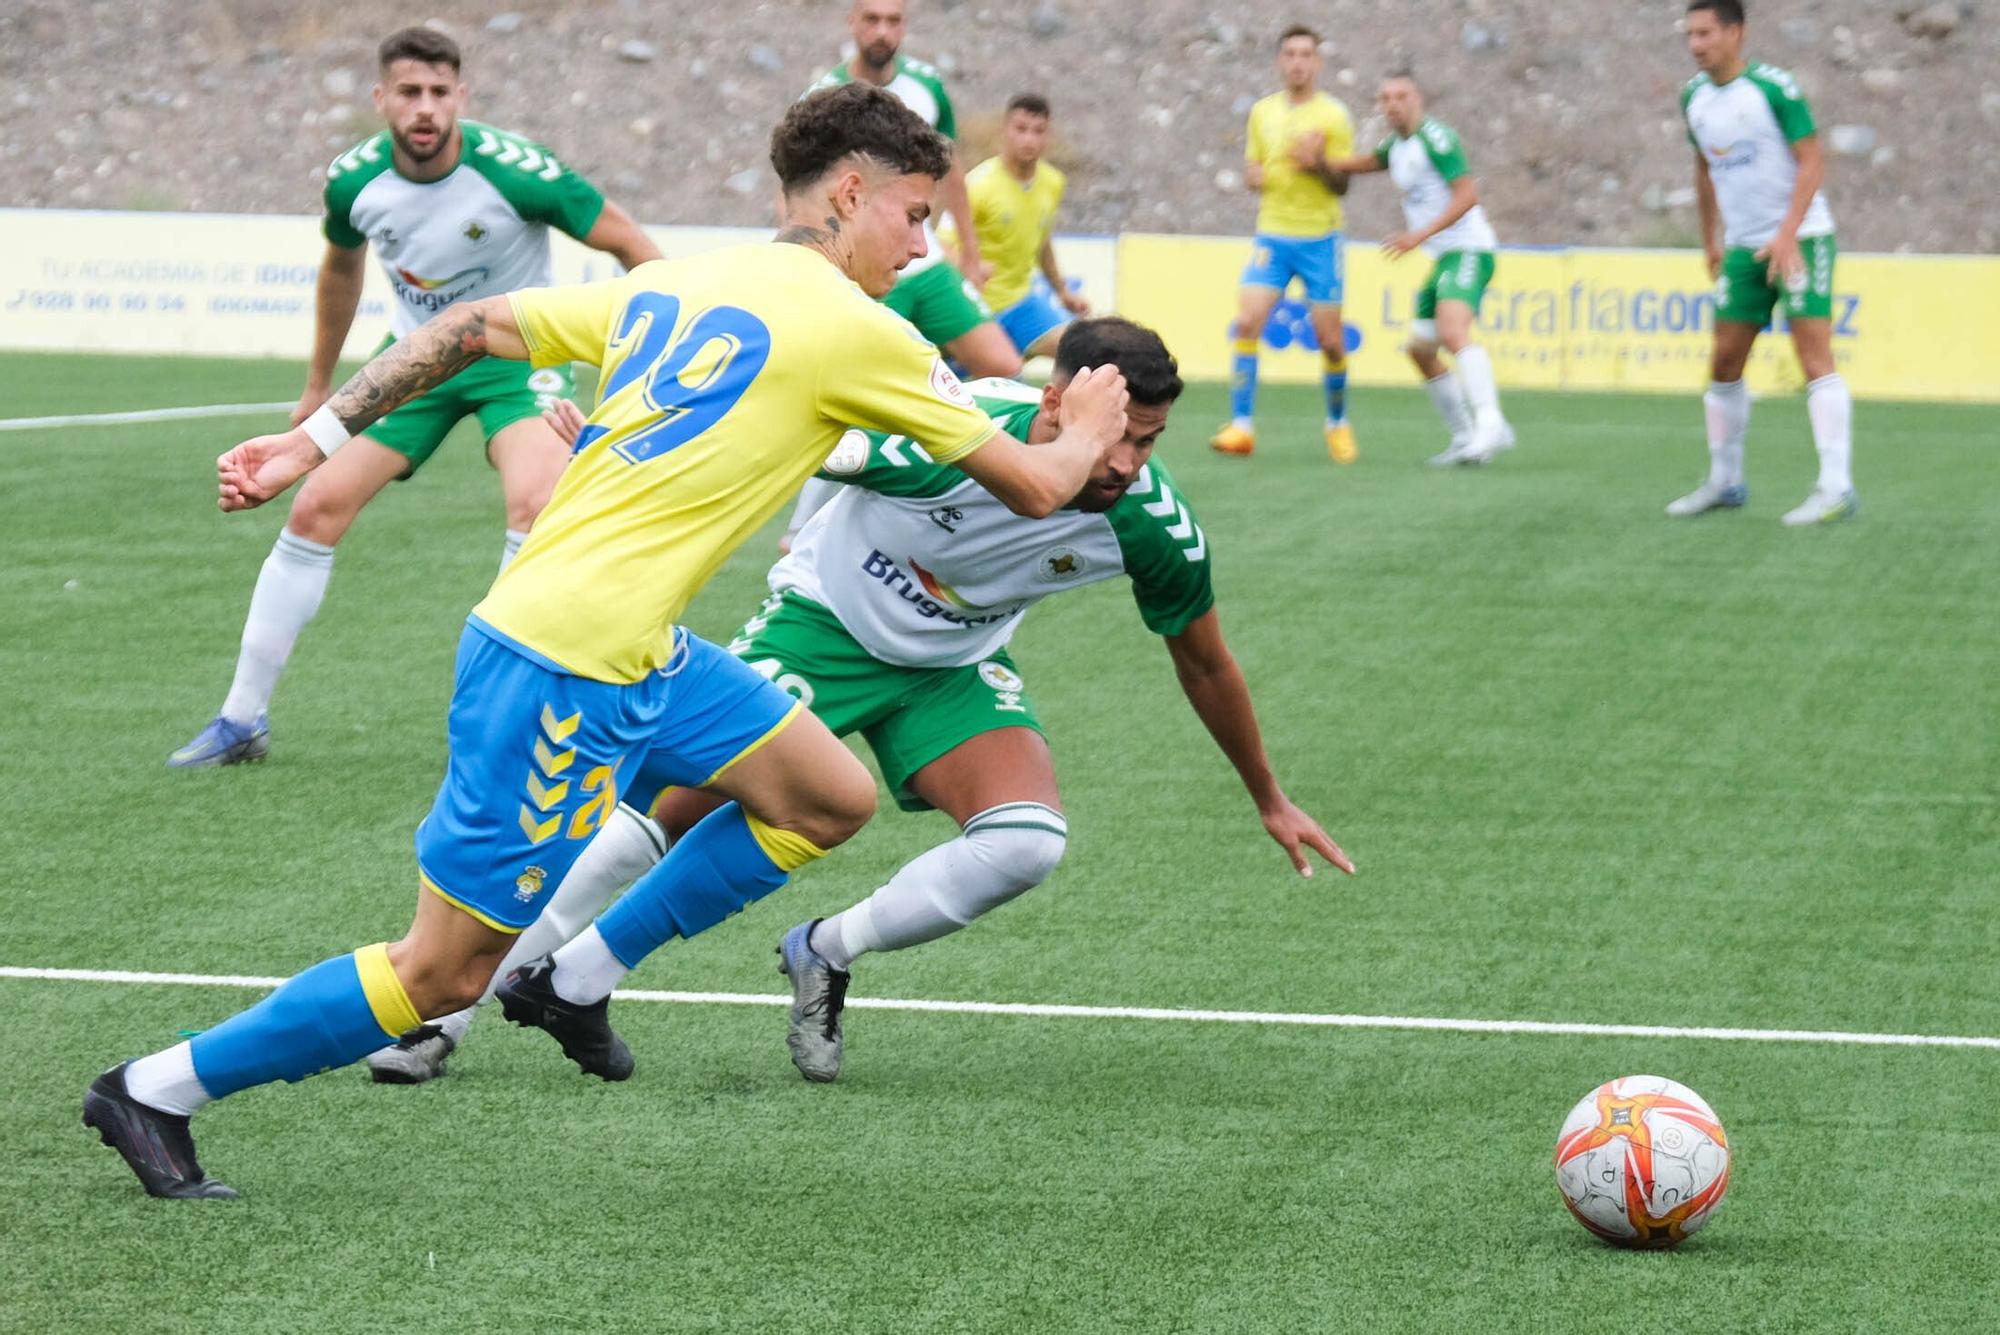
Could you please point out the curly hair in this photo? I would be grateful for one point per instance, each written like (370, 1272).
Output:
(854, 120)
(1152, 376)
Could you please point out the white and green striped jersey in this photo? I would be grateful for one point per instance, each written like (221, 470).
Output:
(920, 88)
(926, 568)
(479, 231)
(1744, 130)
(1423, 166)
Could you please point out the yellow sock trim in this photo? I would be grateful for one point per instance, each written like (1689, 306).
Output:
(1334, 365)
(384, 991)
(1245, 347)
(790, 851)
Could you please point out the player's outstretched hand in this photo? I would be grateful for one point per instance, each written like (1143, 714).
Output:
(565, 419)
(1401, 244)
(1296, 832)
(259, 469)
(1094, 403)
(1076, 303)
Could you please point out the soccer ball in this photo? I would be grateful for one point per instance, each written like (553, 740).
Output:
(1642, 1161)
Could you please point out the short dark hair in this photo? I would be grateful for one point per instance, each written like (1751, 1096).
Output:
(1729, 13)
(1032, 103)
(854, 120)
(1297, 30)
(427, 45)
(1152, 376)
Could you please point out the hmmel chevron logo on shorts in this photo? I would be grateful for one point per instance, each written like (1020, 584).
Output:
(541, 814)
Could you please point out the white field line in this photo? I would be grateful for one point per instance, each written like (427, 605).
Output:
(1404, 1022)
(145, 415)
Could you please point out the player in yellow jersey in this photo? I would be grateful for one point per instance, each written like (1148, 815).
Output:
(1015, 196)
(727, 380)
(1293, 137)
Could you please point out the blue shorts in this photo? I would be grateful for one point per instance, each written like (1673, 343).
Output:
(1319, 262)
(1033, 315)
(539, 756)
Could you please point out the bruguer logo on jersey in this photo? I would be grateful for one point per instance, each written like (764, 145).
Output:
(434, 294)
(930, 598)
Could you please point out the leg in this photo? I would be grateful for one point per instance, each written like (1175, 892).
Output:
(333, 1013)
(1490, 434)
(1001, 789)
(290, 588)
(1726, 408)
(1254, 303)
(1831, 411)
(1331, 333)
(530, 458)
(966, 742)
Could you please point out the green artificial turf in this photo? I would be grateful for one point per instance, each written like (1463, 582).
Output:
(1595, 765)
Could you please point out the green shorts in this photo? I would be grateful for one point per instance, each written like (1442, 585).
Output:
(909, 716)
(1744, 294)
(1458, 275)
(498, 392)
(941, 302)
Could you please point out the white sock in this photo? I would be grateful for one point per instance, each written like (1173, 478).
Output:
(1831, 409)
(586, 971)
(166, 1080)
(1475, 368)
(626, 848)
(288, 594)
(1003, 851)
(1243, 423)
(1727, 407)
(1448, 397)
(511, 548)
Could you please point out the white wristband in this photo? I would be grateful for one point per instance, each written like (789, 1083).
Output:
(325, 430)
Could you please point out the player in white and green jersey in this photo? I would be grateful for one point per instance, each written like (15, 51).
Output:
(1444, 219)
(1768, 234)
(891, 617)
(940, 300)
(456, 211)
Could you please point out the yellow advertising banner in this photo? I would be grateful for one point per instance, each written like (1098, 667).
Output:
(1584, 319)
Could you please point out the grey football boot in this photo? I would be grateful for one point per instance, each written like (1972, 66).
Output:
(819, 994)
(414, 1058)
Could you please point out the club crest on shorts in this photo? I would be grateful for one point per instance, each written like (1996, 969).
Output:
(529, 884)
(849, 456)
(1058, 564)
(1000, 677)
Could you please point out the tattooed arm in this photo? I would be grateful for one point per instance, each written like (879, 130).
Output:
(456, 337)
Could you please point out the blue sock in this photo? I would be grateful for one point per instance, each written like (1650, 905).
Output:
(722, 866)
(338, 1011)
(1335, 381)
(1243, 381)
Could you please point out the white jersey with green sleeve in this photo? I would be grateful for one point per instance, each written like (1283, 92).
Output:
(479, 231)
(1744, 131)
(926, 568)
(1423, 165)
(920, 88)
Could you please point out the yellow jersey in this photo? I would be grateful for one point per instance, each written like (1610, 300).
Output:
(1296, 204)
(727, 379)
(1013, 219)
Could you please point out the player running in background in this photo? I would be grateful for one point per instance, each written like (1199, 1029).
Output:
(891, 618)
(572, 668)
(1294, 136)
(1444, 220)
(940, 300)
(1015, 196)
(1768, 234)
(457, 211)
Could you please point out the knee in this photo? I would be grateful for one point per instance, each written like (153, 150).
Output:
(1024, 843)
(436, 985)
(321, 517)
(844, 801)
